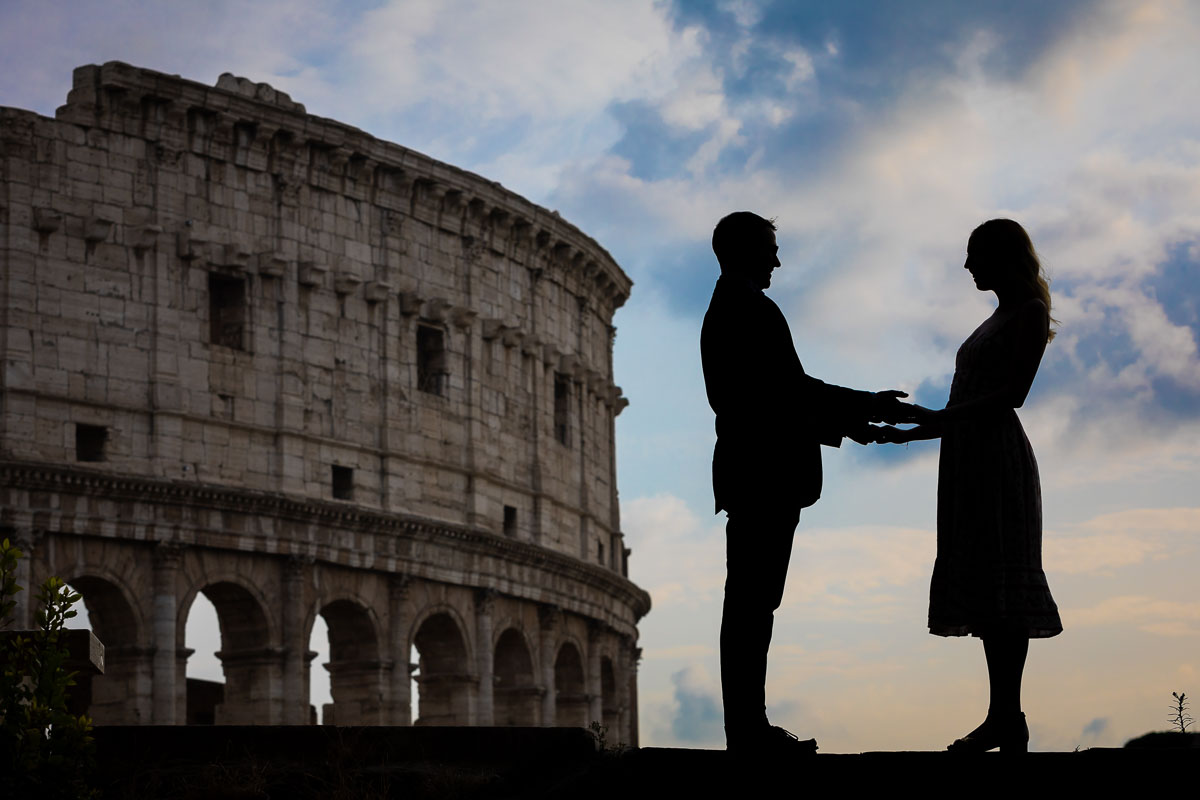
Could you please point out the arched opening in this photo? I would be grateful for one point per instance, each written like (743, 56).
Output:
(571, 702)
(443, 676)
(608, 697)
(355, 671)
(516, 697)
(414, 691)
(200, 669)
(318, 680)
(123, 695)
(250, 667)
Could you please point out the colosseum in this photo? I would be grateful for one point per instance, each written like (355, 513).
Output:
(262, 356)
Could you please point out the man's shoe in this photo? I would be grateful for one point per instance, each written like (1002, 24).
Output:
(770, 741)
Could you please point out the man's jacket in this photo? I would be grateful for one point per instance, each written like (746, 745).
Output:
(772, 418)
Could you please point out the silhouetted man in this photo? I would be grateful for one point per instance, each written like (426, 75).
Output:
(772, 419)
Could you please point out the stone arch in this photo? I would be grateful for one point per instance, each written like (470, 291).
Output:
(444, 676)
(571, 700)
(252, 591)
(610, 713)
(252, 666)
(356, 680)
(516, 695)
(123, 695)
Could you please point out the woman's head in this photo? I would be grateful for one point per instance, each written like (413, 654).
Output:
(1001, 253)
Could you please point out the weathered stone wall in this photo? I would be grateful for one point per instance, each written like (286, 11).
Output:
(123, 210)
(208, 290)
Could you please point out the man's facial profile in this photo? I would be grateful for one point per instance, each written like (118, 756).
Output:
(762, 257)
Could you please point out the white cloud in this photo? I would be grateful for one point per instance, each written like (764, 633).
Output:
(502, 60)
(1153, 615)
(680, 561)
(1119, 539)
(857, 568)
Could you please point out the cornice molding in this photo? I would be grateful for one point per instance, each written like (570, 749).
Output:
(36, 476)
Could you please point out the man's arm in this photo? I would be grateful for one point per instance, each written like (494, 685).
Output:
(840, 411)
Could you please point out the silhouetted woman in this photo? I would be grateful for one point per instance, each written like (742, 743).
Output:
(988, 579)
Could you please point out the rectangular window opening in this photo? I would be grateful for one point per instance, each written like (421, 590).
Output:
(90, 441)
(562, 408)
(343, 483)
(227, 311)
(431, 360)
(600, 552)
(510, 522)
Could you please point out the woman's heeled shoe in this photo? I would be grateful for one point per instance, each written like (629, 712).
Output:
(1011, 737)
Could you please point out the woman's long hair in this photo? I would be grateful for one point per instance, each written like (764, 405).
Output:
(1010, 244)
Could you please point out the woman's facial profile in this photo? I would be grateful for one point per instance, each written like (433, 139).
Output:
(981, 263)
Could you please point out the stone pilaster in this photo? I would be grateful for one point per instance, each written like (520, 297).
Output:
(399, 622)
(182, 654)
(625, 669)
(549, 618)
(633, 697)
(167, 556)
(485, 601)
(252, 679)
(595, 637)
(23, 612)
(296, 574)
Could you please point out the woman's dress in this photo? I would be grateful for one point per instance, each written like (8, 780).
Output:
(988, 575)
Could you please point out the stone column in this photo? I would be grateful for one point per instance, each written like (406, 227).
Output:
(624, 670)
(592, 680)
(358, 692)
(252, 679)
(485, 601)
(549, 617)
(633, 697)
(295, 644)
(23, 612)
(182, 654)
(166, 571)
(399, 622)
(123, 695)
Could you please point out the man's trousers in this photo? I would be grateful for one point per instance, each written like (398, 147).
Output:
(758, 548)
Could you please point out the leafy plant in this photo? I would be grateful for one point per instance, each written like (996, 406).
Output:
(45, 751)
(1179, 716)
(600, 733)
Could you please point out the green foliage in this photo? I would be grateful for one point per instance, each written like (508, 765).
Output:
(600, 733)
(1179, 716)
(45, 751)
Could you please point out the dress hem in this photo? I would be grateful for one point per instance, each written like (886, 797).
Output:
(979, 631)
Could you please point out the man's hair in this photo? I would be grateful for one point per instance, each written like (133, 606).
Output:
(734, 232)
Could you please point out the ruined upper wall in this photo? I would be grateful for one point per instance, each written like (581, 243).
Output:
(261, 128)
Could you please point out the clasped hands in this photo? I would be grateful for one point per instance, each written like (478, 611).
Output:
(886, 407)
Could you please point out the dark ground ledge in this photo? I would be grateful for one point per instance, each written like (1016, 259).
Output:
(328, 762)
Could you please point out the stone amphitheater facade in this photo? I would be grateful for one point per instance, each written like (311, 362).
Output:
(261, 355)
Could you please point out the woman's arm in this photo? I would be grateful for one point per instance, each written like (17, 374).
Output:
(889, 434)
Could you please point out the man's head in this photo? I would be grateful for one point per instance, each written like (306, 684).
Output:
(745, 245)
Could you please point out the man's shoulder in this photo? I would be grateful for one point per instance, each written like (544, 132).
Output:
(734, 296)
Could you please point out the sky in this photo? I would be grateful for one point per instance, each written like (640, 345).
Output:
(878, 135)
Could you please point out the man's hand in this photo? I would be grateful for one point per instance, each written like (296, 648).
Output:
(864, 434)
(886, 407)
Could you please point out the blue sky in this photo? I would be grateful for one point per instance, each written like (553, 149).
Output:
(878, 134)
